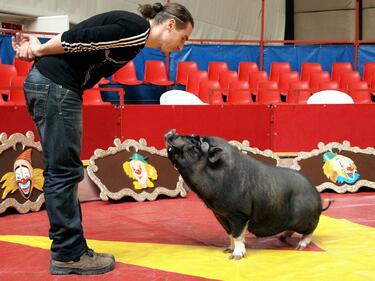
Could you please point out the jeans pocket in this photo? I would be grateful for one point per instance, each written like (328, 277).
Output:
(36, 96)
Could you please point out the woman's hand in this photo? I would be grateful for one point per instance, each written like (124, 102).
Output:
(26, 46)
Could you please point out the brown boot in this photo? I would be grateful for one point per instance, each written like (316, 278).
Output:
(105, 255)
(88, 264)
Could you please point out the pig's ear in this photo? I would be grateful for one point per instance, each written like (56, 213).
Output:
(214, 154)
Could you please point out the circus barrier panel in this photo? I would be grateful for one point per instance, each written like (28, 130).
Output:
(339, 167)
(133, 169)
(21, 173)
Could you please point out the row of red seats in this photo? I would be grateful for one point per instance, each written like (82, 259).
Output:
(282, 81)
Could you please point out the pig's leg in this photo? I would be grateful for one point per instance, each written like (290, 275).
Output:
(226, 226)
(230, 248)
(304, 242)
(239, 243)
(285, 235)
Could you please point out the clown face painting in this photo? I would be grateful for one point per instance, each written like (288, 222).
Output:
(340, 169)
(140, 171)
(23, 178)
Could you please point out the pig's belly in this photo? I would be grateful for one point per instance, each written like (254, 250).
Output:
(266, 230)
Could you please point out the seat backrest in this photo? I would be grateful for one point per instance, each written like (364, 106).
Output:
(238, 96)
(194, 79)
(298, 92)
(271, 85)
(338, 67)
(93, 97)
(23, 67)
(318, 77)
(328, 85)
(358, 85)
(183, 69)
(307, 68)
(7, 72)
(368, 71)
(277, 68)
(268, 96)
(346, 77)
(16, 94)
(286, 78)
(156, 73)
(360, 95)
(127, 75)
(239, 85)
(207, 89)
(214, 69)
(255, 78)
(226, 77)
(244, 69)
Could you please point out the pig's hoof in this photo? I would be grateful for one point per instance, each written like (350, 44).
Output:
(228, 250)
(237, 257)
(301, 246)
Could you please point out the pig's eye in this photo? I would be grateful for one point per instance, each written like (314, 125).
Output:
(169, 149)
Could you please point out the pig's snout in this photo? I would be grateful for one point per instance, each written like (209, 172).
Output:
(169, 135)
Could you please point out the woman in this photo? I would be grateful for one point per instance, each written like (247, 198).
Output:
(65, 66)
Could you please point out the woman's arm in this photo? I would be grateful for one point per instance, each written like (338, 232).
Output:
(28, 47)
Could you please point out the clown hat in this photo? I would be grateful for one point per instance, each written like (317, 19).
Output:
(26, 155)
(328, 156)
(139, 157)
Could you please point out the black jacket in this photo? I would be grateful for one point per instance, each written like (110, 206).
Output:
(95, 48)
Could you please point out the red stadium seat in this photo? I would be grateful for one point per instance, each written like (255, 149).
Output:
(16, 94)
(126, 75)
(156, 73)
(368, 71)
(347, 77)
(194, 79)
(93, 97)
(328, 85)
(359, 91)
(2, 102)
(357, 85)
(226, 77)
(239, 85)
(23, 67)
(255, 78)
(360, 96)
(285, 79)
(338, 67)
(104, 81)
(299, 92)
(307, 68)
(244, 69)
(214, 69)
(7, 73)
(277, 68)
(238, 96)
(268, 96)
(318, 77)
(207, 88)
(183, 69)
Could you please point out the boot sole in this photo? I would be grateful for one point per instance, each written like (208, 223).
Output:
(57, 270)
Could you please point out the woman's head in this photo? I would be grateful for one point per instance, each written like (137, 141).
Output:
(171, 25)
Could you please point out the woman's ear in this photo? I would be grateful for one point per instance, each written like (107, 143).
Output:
(171, 24)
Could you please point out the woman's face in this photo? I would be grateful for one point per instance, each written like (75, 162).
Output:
(173, 39)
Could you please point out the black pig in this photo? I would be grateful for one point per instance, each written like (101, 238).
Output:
(244, 193)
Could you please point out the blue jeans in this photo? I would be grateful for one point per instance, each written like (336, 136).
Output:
(57, 113)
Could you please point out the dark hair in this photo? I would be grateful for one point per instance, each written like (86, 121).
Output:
(160, 13)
